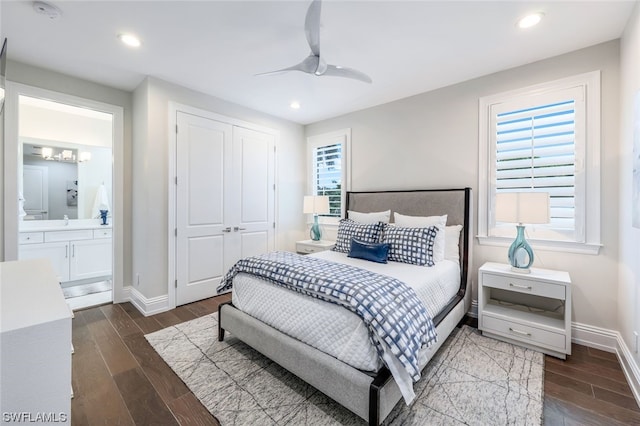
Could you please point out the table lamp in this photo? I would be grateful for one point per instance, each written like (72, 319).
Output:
(521, 208)
(315, 204)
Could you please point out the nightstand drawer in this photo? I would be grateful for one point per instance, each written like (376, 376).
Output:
(521, 285)
(524, 333)
(307, 249)
(309, 246)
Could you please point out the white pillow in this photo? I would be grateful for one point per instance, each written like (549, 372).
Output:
(452, 242)
(373, 217)
(423, 222)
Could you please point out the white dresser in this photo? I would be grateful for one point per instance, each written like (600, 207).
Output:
(76, 252)
(532, 310)
(35, 345)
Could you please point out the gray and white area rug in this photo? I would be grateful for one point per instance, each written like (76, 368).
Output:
(472, 380)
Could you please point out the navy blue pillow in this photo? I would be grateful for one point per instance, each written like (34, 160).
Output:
(375, 252)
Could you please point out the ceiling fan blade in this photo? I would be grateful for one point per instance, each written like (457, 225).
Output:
(348, 73)
(309, 65)
(312, 26)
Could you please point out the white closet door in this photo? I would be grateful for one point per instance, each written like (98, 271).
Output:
(253, 200)
(203, 160)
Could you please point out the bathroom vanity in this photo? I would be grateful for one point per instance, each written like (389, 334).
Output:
(78, 249)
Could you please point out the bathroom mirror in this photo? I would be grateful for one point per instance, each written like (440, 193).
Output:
(67, 161)
(63, 179)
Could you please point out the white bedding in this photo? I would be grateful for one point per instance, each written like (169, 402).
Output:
(332, 328)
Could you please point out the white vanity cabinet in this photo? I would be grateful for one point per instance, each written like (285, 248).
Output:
(76, 254)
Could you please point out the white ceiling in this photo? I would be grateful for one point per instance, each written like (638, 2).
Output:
(216, 47)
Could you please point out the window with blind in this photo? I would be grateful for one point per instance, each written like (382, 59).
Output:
(329, 170)
(538, 139)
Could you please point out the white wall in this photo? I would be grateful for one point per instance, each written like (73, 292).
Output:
(431, 141)
(629, 253)
(150, 176)
(48, 124)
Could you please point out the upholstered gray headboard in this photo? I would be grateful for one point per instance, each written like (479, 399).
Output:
(455, 203)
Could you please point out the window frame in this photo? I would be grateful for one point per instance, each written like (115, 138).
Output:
(587, 235)
(339, 136)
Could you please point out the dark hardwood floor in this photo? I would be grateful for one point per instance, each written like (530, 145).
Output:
(118, 379)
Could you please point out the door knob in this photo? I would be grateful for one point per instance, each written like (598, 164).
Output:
(227, 229)
(237, 228)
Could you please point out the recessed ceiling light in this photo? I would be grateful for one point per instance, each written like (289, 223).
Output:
(295, 105)
(46, 9)
(130, 40)
(530, 20)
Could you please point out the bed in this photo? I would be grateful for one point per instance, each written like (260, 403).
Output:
(327, 348)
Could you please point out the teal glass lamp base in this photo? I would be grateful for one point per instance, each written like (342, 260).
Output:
(520, 253)
(314, 232)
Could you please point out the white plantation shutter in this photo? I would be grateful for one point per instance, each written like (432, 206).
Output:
(543, 138)
(327, 165)
(536, 151)
(328, 170)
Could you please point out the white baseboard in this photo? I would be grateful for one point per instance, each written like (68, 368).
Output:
(148, 306)
(629, 366)
(594, 337)
(473, 311)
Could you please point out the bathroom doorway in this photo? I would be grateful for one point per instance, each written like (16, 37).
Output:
(69, 210)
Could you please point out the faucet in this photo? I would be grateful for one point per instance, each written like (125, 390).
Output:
(66, 220)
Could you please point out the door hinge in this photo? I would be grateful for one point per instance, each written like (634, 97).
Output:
(176, 128)
(274, 186)
(176, 232)
(176, 180)
(274, 225)
(176, 283)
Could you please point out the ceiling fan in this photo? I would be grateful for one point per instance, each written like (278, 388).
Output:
(315, 63)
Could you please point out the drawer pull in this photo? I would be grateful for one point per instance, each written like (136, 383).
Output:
(524, 287)
(524, 333)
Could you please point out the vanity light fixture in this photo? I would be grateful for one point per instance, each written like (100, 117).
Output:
(47, 153)
(530, 20)
(130, 40)
(65, 155)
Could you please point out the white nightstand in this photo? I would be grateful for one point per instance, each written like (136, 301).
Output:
(531, 310)
(310, 246)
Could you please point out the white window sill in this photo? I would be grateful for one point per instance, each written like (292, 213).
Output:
(560, 246)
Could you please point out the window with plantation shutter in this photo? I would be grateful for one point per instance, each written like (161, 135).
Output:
(327, 164)
(544, 138)
(536, 151)
(329, 170)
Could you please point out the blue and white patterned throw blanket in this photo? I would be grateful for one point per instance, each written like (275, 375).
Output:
(391, 309)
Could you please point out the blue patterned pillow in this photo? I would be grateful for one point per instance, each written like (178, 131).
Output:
(374, 252)
(365, 232)
(410, 245)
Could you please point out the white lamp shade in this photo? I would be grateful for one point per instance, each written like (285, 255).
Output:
(522, 207)
(316, 204)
